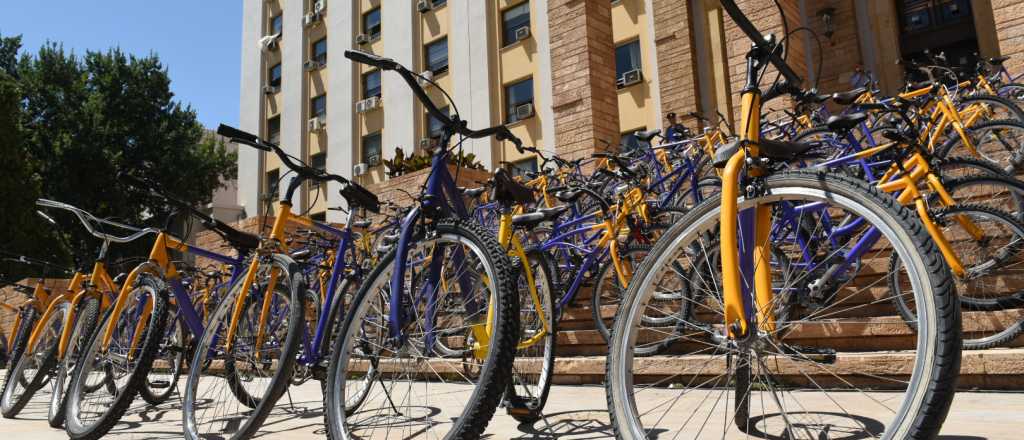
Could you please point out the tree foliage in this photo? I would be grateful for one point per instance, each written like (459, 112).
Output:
(79, 120)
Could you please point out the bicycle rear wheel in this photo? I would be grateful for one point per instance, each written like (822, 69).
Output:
(798, 378)
(35, 365)
(163, 377)
(230, 392)
(105, 381)
(534, 365)
(417, 392)
(999, 142)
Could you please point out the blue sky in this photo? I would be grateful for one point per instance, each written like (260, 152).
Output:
(198, 41)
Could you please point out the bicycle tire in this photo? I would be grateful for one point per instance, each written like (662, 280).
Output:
(112, 412)
(1008, 160)
(528, 406)
(11, 406)
(86, 320)
(173, 354)
(936, 365)
(598, 299)
(495, 371)
(257, 408)
(21, 335)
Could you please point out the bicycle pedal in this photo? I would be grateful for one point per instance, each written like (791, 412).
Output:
(160, 384)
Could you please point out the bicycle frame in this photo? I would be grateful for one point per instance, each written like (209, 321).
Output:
(339, 267)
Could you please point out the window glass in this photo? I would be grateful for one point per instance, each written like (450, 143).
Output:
(371, 84)
(320, 51)
(517, 94)
(271, 183)
(318, 106)
(521, 167)
(371, 149)
(276, 24)
(275, 75)
(513, 19)
(436, 56)
(434, 126)
(436, 3)
(318, 161)
(371, 24)
(627, 58)
(274, 130)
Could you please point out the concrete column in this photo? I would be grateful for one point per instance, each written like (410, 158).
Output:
(400, 43)
(341, 86)
(250, 115)
(585, 101)
(293, 95)
(544, 75)
(471, 71)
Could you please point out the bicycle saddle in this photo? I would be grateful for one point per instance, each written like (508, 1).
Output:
(771, 149)
(847, 98)
(569, 195)
(813, 97)
(534, 218)
(998, 60)
(845, 123)
(508, 191)
(648, 135)
(473, 192)
(240, 240)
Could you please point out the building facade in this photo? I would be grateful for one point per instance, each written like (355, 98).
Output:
(569, 76)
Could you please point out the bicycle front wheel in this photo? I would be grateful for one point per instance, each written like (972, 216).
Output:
(802, 377)
(232, 389)
(418, 392)
(86, 319)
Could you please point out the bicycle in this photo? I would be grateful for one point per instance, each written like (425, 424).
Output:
(743, 374)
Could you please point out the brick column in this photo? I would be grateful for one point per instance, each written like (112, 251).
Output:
(583, 77)
(1009, 18)
(677, 67)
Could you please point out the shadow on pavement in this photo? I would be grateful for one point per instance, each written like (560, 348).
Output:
(579, 425)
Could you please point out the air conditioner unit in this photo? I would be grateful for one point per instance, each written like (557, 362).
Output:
(270, 90)
(428, 143)
(359, 169)
(423, 6)
(522, 33)
(311, 19)
(315, 124)
(362, 39)
(319, 6)
(630, 78)
(425, 77)
(269, 42)
(524, 111)
(367, 104)
(312, 65)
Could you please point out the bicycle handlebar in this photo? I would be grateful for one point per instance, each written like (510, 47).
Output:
(91, 222)
(500, 132)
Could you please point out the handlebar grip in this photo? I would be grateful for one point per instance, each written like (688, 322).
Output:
(234, 133)
(371, 59)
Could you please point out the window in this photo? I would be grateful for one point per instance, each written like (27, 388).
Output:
(435, 128)
(320, 51)
(438, 3)
(275, 75)
(274, 130)
(276, 25)
(371, 24)
(318, 161)
(271, 183)
(521, 167)
(513, 19)
(436, 56)
(627, 58)
(371, 149)
(371, 84)
(319, 217)
(516, 95)
(318, 106)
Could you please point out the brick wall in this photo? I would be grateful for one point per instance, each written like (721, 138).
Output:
(13, 298)
(677, 66)
(1009, 18)
(583, 76)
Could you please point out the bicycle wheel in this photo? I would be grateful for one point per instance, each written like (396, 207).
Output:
(1012, 91)
(19, 340)
(999, 142)
(86, 319)
(992, 107)
(534, 366)
(994, 191)
(989, 290)
(106, 380)
(765, 385)
(608, 291)
(422, 394)
(163, 377)
(35, 365)
(230, 392)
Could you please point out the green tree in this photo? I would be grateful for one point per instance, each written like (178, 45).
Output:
(86, 118)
